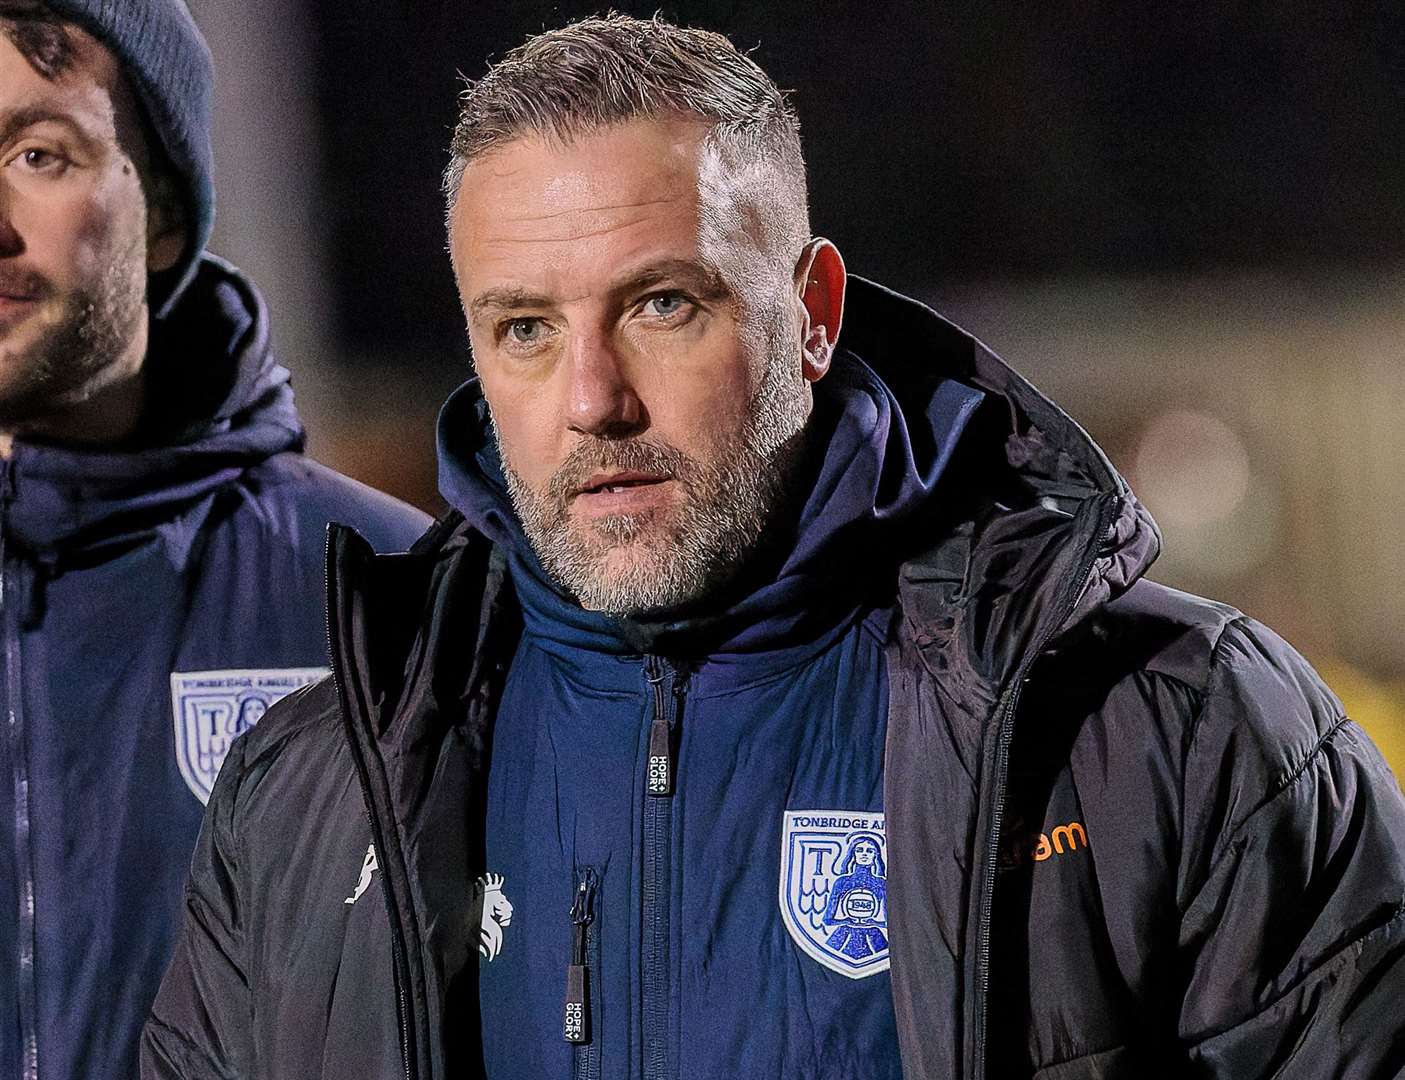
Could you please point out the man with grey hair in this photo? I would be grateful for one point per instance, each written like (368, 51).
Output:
(768, 708)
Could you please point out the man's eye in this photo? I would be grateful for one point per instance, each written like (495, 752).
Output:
(665, 305)
(524, 331)
(40, 160)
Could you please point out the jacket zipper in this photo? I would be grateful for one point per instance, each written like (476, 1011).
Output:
(581, 1016)
(19, 755)
(1004, 737)
(399, 964)
(669, 688)
(659, 780)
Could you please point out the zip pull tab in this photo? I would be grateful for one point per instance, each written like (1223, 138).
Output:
(659, 780)
(660, 759)
(574, 1027)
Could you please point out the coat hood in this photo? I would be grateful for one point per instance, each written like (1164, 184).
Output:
(1037, 529)
(218, 402)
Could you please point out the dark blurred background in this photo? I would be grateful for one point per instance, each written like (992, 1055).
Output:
(1185, 224)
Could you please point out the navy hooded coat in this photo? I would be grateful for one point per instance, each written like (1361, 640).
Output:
(1129, 832)
(153, 601)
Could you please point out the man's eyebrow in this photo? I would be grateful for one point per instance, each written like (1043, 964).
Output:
(698, 277)
(504, 299)
(691, 274)
(13, 121)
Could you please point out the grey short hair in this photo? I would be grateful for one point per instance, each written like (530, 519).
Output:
(611, 69)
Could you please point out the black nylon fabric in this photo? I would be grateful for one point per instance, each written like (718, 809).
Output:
(1130, 831)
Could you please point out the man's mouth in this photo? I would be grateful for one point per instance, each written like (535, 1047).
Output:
(19, 286)
(617, 482)
(15, 307)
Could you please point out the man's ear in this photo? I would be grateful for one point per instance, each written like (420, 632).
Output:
(165, 227)
(819, 285)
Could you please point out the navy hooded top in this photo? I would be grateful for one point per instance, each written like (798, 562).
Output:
(735, 925)
(154, 600)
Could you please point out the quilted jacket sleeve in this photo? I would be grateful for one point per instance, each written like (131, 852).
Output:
(199, 1024)
(1292, 882)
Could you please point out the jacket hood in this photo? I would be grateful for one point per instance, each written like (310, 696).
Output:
(218, 402)
(1038, 528)
(868, 469)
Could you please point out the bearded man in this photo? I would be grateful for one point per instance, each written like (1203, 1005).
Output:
(153, 502)
(725, 610)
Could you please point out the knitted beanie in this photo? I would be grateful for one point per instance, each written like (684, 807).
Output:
(169, 66)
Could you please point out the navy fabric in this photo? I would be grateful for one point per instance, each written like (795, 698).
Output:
(783, 707)
(198, 548)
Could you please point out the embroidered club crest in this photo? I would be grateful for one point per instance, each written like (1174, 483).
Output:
(212, 708)
(834, 888)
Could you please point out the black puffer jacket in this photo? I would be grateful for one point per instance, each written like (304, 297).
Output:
(1130, 831)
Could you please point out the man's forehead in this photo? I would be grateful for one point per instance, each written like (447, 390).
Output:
(87, 64)
(635, 192)
(615, 169)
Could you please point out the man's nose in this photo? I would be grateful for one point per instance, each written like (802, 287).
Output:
(11, 243)
(603, 400)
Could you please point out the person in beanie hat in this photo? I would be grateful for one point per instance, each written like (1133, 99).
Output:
(153, 499)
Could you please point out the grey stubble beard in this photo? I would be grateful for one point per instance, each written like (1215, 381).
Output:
(681, 558)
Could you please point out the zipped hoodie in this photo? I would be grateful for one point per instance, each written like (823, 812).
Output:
(643, 777)
(198, 548)
(1237, 910)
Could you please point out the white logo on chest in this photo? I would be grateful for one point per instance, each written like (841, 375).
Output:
(496, 914)
(368, 867)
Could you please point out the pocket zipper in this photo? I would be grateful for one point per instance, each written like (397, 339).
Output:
(575, 1026)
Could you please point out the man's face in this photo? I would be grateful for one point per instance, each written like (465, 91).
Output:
(73, 233)
(639, 349)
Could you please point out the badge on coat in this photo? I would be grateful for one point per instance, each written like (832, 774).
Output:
(834, 888)
(494, 914)
(213, 708)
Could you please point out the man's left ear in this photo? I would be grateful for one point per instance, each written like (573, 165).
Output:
(165, 230)
(819, 284)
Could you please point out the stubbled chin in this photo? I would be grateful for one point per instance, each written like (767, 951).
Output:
(17, 341)
(624, 569)
(625, 537)
(19, 373)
